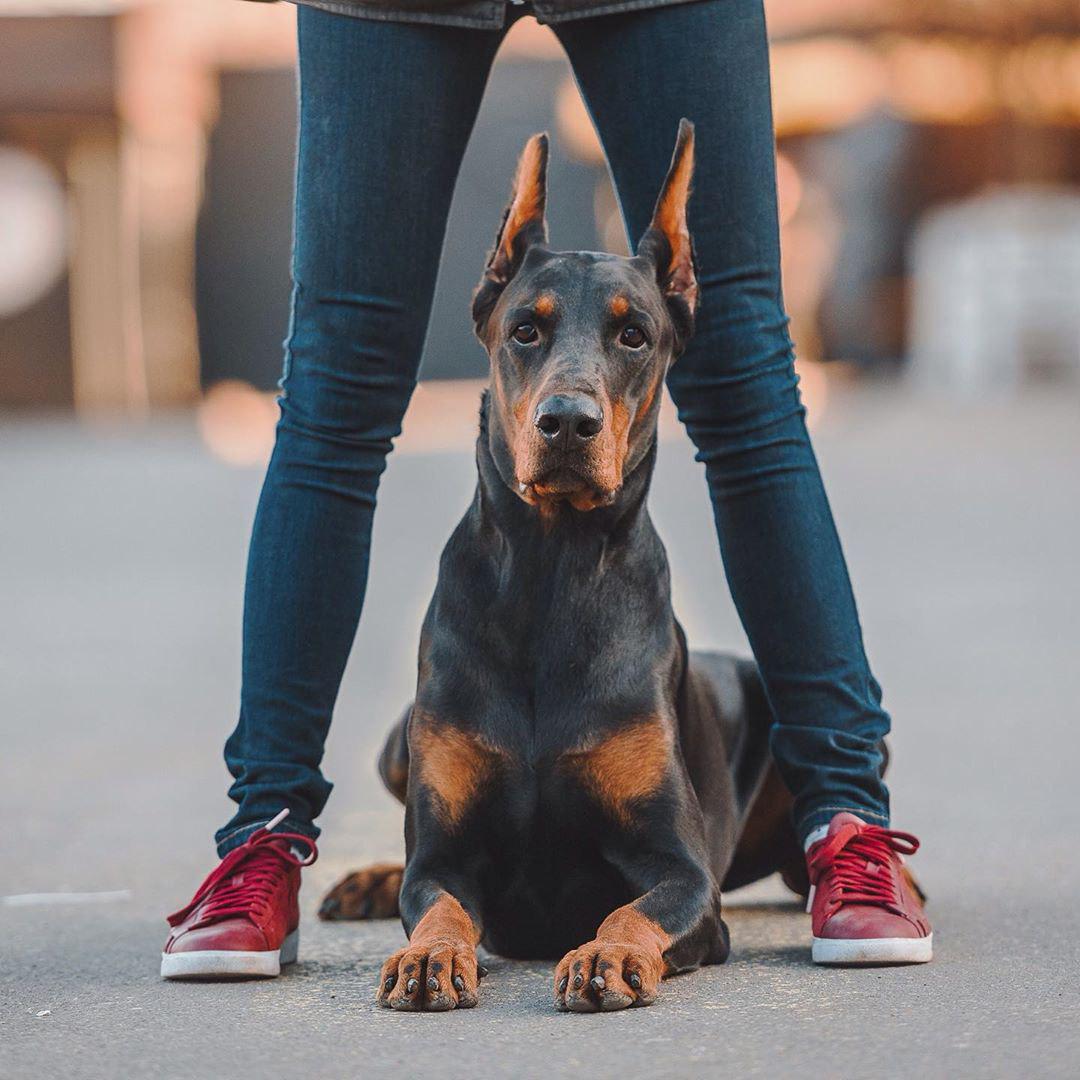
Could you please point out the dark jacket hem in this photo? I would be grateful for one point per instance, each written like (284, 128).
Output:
(493, 20)
(381, 13)
(615, 8)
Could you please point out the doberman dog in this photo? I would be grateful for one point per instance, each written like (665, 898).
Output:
(576, 782)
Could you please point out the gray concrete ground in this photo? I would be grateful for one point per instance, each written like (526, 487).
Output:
(121, 560)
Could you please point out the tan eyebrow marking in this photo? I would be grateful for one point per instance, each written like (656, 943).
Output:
(619, 306)
(545, 304)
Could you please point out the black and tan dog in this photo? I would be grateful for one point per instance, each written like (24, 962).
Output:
(574, 778)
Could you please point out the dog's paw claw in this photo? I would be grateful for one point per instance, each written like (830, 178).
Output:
(433, 977)
(606, 977)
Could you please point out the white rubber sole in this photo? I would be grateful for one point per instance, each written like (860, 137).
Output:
(230, 963)
(896, 950)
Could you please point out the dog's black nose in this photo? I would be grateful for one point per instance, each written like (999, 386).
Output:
(567, 420)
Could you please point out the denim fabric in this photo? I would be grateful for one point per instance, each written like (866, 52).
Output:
(386, 110)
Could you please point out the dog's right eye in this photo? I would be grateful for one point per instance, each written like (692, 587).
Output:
(525, 333)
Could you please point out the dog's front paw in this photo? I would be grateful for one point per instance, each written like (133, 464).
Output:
(433, 976)
(605, 975)
(371, 893)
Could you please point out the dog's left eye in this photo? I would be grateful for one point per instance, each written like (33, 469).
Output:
(633, 337)
(525, 333)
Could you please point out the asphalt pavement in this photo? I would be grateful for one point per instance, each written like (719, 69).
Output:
(121, 563)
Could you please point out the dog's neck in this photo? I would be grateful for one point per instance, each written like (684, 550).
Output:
(502, 508)
(546, 586)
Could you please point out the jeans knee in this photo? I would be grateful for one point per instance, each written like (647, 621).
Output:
(739, 403)
(739, 365)
(351, 365)
(737, 393)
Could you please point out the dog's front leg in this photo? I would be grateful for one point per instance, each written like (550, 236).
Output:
(673, 926)
(437, 970)
(440, 905)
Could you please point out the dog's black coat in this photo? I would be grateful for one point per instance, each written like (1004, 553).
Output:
(567, 760)
(540, 639)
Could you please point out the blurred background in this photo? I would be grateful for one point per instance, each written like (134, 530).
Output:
(929, 178)
(928, 172)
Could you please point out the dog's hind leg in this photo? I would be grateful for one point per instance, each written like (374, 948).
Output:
(767, 841)
(373, 892)
(370, 893)
(394, 759)
(726, 723)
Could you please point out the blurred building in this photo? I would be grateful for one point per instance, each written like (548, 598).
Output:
(996, 293)
(136, 268)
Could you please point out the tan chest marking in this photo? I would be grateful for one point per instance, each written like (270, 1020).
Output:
(626, 766)
(452, 764)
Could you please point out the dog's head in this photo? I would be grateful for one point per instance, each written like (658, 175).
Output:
(580, 341)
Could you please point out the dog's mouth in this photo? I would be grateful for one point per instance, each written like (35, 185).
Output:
(565, 483)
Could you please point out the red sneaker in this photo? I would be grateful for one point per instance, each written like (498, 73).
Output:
(245, 919)
(865, 905)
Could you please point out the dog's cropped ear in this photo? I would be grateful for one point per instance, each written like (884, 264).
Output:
(667, 242)
(524, 224)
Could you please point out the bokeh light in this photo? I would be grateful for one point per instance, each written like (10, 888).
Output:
(236, 422)
(33, 225)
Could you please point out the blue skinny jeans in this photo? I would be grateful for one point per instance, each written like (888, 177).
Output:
(386, 110)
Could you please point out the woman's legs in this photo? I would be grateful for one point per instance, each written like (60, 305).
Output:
(386, 110)
(735, 387)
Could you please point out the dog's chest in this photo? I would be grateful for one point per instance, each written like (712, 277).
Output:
(543, 833)
(538, 816)
(515, 788)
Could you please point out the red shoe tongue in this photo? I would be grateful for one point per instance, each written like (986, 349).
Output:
(842, 819)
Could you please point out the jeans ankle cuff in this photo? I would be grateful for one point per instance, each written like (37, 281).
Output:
(238, 836)
(822, 815)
